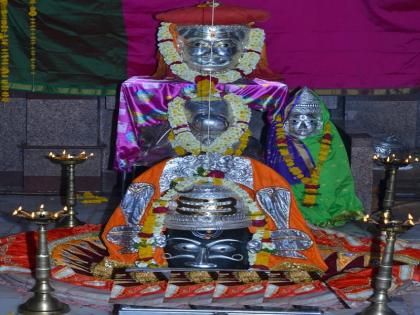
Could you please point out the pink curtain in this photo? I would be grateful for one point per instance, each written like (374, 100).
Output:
(324, 44)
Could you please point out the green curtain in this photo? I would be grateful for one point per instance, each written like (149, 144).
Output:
(81, 47)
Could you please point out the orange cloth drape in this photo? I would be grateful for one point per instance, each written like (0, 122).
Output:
(263, 177)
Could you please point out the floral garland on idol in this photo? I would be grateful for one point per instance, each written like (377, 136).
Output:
(153, 227)
(4, 43)
(247, 63)
(311, 183)
(183, 140)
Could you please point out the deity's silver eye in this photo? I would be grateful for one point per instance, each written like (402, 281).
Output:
(222, 248)
(187, 247)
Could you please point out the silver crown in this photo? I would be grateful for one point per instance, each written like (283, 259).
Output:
(207, 207)
(307, 100)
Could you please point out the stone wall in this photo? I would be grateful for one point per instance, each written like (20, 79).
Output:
(382, 116)
(32, 125)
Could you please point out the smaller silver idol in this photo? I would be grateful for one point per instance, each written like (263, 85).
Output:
(305, 118)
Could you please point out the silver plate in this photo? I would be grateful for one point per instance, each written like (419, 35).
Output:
(237, 169)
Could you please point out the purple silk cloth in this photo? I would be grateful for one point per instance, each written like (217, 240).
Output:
(276, 161)
(323, 44)
(144, 102)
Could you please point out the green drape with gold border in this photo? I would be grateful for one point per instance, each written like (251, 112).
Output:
(81, 47)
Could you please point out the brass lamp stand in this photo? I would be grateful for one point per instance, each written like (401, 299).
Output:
(42, 303)
(68, 162)
(386, 223)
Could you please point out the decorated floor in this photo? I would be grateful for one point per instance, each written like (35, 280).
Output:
(88, 300)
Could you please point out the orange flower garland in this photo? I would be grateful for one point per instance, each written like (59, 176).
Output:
(311, 183)
(243, 142)
(32, 33)
(4, 43)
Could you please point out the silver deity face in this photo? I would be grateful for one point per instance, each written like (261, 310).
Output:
(208, 249)
(207, 48)
(205, 126)
(196, 253)
(304, 122)
(305, 117)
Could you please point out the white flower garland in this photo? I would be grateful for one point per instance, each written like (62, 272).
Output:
(184, 138)
(184, 184)
(247, 63)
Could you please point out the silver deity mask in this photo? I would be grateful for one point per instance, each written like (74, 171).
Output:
(212, 48)
(205, 126)
(207, 228)
(305, 118)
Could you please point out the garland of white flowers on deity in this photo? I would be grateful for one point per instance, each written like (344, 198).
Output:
(185, 184)
(182, 137)
(247, 63)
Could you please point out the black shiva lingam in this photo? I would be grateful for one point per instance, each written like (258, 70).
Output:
(42, 303)
(391, 227)
(68, 162)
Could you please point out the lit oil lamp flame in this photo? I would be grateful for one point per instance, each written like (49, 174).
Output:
(39, 213)
(410, 219)
(366, 218)
(64, 152)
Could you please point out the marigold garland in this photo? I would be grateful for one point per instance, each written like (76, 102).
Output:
(32, 34)
(4, 43)
(311, 183)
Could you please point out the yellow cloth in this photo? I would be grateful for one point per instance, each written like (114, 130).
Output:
(88, 197)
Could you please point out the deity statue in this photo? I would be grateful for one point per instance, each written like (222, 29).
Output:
(193, 50)
(305, 147)
(210, 207)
